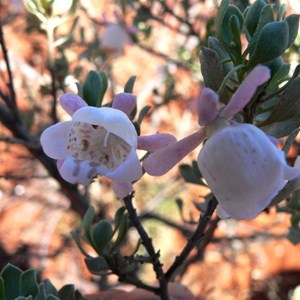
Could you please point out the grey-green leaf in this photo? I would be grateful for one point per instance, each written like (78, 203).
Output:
(253, 16)
(96, 265)
(28, 284)
(271, 43)
(102, 234)
(11, 276)
(293, 23)
(67, 292)
(92, 89)
(129, 85)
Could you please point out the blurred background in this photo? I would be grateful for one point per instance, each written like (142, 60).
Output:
(158, 42)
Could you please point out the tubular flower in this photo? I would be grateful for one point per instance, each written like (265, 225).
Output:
(240, 163)
(97, 141)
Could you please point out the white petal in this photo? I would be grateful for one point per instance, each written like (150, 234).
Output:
(111, 119)
(243, 169)
(54, 140)
(222, 213)
(122, 189)
(129, 171)
(82, 172)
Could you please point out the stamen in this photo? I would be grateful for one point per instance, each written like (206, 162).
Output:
(106, 139)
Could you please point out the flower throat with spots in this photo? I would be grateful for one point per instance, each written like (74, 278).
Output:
(96, 144)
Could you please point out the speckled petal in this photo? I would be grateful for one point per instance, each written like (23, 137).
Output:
(83, 172)
(208, 107)
(243, 169)
(122, 189)
(125, 102)
(129, 171)
(111, 119)
(54, 140)
(245, 91)
(71, 102)
(155, 142)
(163, 160)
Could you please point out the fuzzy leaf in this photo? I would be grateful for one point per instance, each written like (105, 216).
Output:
(102, 234)
(129, 85)
(271, 43)
(92, 89)
(293, 23)
(87, 222)
(118, 217)
(211, 68)
(96, 265)
(12, 277)
(253, 15)
(28, 284)
(67, 292)
(123, 228)
(2, 291)
(49, 287)
(289, 104)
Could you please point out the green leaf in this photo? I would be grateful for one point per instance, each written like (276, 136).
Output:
(96, 265)
(102, 235)
(42, 292)
(271, 43)
(87, 222)
(293, 23)
(253, 16)
(118, 217)
(51, 297)
(214, 44)
(211, 68)
(189, 175)
(2, 291)
(281, 74)
(123, 228)
(77, 240)
(289, 104)
(220, 16)
(228, 33)
(293, 235)
(92, 89)
(67, 292)
(283, 128)
(28, 284)
(266, 16)
(12, 278)
(143, 113)
(49, 287)
(129, 85)
(104, 85)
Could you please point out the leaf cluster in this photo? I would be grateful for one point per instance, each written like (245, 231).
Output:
(16, 284)
(225, 62)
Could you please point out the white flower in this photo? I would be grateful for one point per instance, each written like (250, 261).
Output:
(242, 166)
(244, 170)
(98, 141)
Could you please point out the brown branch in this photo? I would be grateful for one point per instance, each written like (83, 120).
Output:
(193, 240)
(147, 242)
(77, 202)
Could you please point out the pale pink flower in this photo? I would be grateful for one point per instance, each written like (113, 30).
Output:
(98, 141)
(240, 163)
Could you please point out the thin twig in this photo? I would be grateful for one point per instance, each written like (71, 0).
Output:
(13, 100)
(13, 140)
(193, 240)
(153, 216)
(147, 242)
